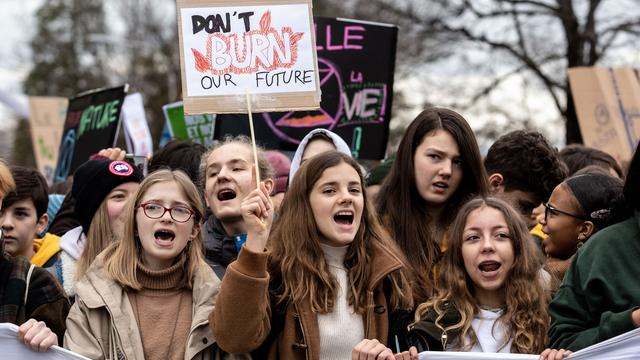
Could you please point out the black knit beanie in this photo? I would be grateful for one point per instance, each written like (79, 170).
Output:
(94, 180)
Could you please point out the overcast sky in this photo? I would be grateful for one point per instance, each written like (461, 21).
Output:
(17, 27)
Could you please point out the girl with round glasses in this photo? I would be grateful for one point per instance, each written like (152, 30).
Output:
(148, 296)
(578, 208)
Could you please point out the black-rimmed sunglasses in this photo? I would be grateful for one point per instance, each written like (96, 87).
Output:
(548, 208)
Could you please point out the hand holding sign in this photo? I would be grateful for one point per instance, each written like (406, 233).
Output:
(257, 213)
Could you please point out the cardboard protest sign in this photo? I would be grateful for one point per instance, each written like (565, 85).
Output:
(608, 106)
(91, 124)
(46, 119)
(195, 128)
(265, 48)
(356, 92)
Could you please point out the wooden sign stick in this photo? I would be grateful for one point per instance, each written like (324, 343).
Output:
(253, 139)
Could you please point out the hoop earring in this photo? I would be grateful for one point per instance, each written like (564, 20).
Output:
(579, 245)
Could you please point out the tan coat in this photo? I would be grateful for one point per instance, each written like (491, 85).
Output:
(242, 318)
(102, 325)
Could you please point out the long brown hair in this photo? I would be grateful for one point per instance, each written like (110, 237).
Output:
(525, 315)
(297, 259)
(402, 209)
(122, 257)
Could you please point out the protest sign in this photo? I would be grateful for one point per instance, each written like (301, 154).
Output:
(195, 128)
(622, 347)
(12, 348)
(356, 92)
(46, 120)
(136, 129)
(91, 124)
(607, 102)
(265, 48)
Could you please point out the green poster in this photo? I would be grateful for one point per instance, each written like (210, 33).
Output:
(196, 128)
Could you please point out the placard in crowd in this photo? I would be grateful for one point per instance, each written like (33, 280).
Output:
(356, 92)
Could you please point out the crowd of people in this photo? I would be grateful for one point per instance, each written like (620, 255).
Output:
(216, 254)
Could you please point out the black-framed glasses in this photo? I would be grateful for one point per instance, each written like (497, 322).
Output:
(548, 208)
(156, 211)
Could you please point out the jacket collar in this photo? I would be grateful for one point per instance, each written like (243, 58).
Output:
(384, 262)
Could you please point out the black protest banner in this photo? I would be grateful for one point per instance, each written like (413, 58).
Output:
(356, 63)
(91, 124)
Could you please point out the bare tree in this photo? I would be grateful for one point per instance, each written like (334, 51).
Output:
(149, 49)
(497, 41)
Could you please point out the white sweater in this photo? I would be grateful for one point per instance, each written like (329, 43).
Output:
(341, 329)
(491, 334)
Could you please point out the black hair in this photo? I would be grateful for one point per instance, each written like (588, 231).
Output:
(30, 184)
(578, 156)
(600, 198)
(179, 155)
(527, 162)
(631, 187)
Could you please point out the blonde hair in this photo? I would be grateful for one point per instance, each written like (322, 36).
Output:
(99, 237)
(266, 171)
(122, 257)
(6, 180)
(525, 314)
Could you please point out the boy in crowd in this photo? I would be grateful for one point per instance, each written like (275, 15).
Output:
(29, 295)
(24, 217)
(523, 169)
(227, 172)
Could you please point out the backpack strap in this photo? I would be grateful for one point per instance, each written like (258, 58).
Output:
(23, 309)
(26, 291)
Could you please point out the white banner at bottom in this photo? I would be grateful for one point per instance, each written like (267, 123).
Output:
(622, 347)
(12, 348)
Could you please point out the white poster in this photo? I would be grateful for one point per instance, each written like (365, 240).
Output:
(12, 348)
(261, 49)
(136, 129)
(621, 347)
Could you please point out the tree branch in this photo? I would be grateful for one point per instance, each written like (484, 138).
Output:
(549, 83)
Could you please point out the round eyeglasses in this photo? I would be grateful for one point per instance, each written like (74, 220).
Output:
(549, 209)
(155, 211)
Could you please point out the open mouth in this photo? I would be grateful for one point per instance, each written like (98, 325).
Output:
(164, 235)
(441, 185)
(343, 217)
(226, 194)
(489, 266)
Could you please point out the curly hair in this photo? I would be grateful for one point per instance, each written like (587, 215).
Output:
(525, 313)
(527, 162)
(297, 259)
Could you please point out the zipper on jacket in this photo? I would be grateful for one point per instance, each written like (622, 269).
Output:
(443, 340)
